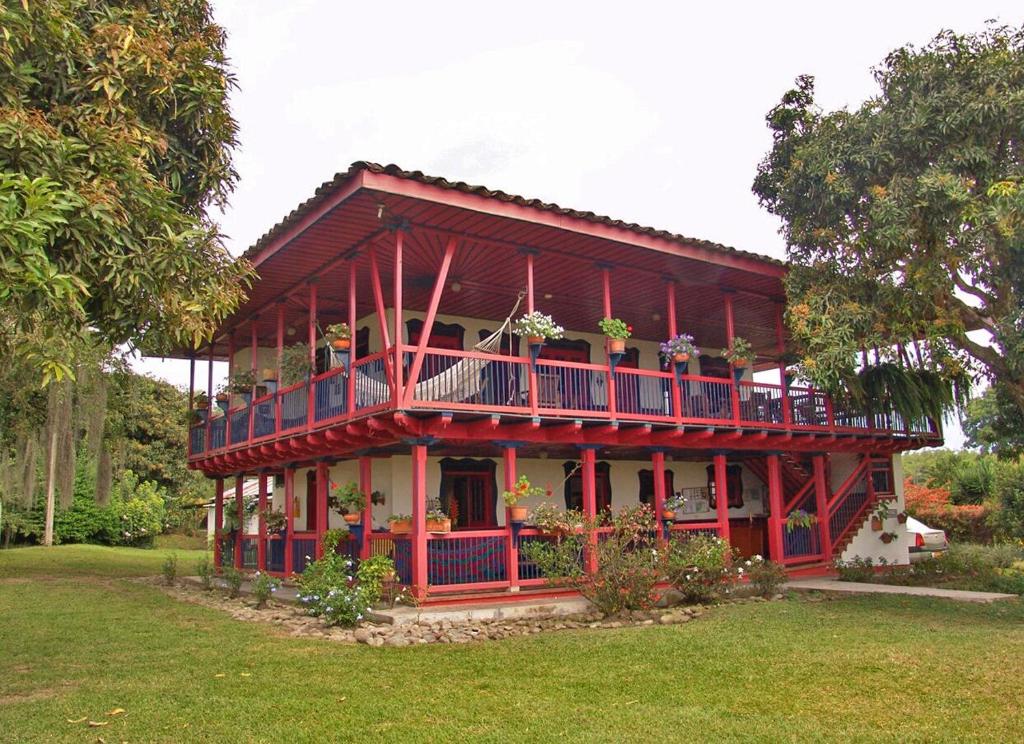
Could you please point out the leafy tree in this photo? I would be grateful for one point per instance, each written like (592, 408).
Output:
(995, 424)
(115, 138)
(904, 219)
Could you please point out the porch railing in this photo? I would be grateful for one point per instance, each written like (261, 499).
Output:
(470, 380)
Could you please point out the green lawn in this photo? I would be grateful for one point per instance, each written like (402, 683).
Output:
(76, 641)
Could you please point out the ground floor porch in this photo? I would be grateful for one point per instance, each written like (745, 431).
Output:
(482, 551)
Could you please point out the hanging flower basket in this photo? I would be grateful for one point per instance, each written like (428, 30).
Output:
(353, 518)
(400, 524)
(669, 515)
(518, 513)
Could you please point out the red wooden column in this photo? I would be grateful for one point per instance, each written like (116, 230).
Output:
(350, 399)
(397, 293)
(191, 390)
(289, 511)
(775, 515)
(658, 464)
(366, 487)
(677, 393)
(780, 346)
(280, 354)
(511, 548)
(419, 519)
(209, 398)
(253, 353)
(311, 330)
(261, 546)
(240, 512)
(323, 478)
(821, 502)
(428, 322)
(588, 455)
(722, 497)
(530, 307)
(730, 334)
(218, 519)
(227, 406)
(606, 286)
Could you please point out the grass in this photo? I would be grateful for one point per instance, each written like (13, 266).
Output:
(82, 642)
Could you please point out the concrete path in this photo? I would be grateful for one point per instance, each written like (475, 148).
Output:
(854, 587)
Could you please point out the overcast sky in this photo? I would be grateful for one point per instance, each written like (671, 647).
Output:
(641, 111)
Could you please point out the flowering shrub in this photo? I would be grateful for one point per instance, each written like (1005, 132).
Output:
(765, 576)
(627, 564)
(333, 589)
(701, 567)
(138, 511)
(935, 507)
(538, 324)
(233, 579)
(263, 587)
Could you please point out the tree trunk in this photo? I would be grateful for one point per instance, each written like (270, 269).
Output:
(51, 486)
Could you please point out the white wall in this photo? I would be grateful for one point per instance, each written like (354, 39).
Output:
(866, 543)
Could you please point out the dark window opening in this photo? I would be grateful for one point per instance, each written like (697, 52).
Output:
(574, 486)
(469, 492)
(646, 478)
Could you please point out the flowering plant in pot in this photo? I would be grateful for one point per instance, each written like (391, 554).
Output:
(679, 348)
(296, 365)
(551, 520)
(436, 518)
(739, 352)
(201, 401)
(400, 524)
(347, 500)
(617, 332)
(672, 504)
(888, 537)
(520, 490)
(537, 327)
(879, 516)
(800, 519)
(274, 520)
(339, 335)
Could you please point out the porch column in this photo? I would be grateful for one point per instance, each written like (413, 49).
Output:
(588, 455)
(350, 388)
(658, 464)
(253, 353)
(775, 506)
(530, 307)
(677, 393)
(323, 478)
(240, 513)
(366, 488)
(209, 398)
(780, 345)
(722, 496)
(730, 334)
(218, 519)
(280, 354)
(261, 545)
(419, 519)
(821, 503)
(311, 330)
(289, 512)
(191, 391)
(606, 285)
(227, 386)
(397, 293)
(511, 537)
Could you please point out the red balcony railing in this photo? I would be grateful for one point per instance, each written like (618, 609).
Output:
(475, 381)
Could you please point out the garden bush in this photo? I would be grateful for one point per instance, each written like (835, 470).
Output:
(934, 507)
(170, 569)
(766, 576)
(205, 572)
(627, 561)
(701, 567)
(263, 587)
(333, 588)
(233, 580)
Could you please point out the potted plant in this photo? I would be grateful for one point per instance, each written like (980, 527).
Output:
(679, 349)
(521, 489)
(296, 365)
(348, 501)
(437, 520)
(274, 520)
(551, 520)
(339, 335)
(223, 395)
(879, 516)
(671, 506)
(377, 498)
(800, 519)
(901, 517)
(616, 332)
(537, 327)
(242, 383)
(400, 524)
(888, 537)
(201, 406)
(739, 352)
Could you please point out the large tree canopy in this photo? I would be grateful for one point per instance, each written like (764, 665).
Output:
(115, 138)
(904, 219)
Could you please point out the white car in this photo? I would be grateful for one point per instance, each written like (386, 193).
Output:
(928, 542)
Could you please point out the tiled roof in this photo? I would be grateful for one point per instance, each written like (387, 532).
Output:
(328, 187)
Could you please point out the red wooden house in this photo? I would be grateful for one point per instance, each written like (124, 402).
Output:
(437, 401)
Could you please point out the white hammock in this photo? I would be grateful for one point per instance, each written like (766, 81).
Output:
(462, 381)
